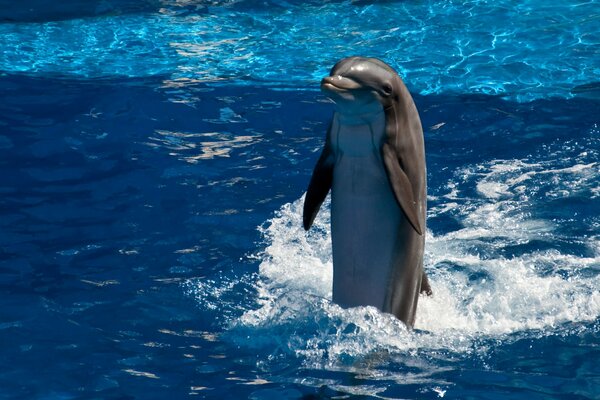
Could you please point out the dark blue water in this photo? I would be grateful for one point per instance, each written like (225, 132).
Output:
(153, 156)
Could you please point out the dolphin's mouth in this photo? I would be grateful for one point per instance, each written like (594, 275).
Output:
(339, 84)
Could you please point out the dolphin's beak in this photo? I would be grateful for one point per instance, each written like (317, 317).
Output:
(338, 84)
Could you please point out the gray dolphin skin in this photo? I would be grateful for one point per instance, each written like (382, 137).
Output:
(373, 162)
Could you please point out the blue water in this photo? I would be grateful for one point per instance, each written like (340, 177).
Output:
(153, 159)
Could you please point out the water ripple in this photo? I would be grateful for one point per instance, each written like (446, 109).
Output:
(523, 50)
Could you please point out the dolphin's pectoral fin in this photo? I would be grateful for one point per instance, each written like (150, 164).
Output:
(401, 187)
(425, 286)
(319, 186)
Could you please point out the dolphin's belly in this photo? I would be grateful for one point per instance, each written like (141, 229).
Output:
(365, 223)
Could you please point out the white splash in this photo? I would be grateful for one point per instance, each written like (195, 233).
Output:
(483, 290)
(478, 293)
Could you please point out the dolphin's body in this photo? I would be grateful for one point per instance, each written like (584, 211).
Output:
(373, 162)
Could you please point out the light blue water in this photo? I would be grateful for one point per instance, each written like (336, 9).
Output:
(153, 159)
(525, 50)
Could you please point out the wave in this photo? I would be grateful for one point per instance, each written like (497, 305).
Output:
(502, 275)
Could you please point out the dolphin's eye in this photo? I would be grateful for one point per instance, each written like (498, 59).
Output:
(387, 89)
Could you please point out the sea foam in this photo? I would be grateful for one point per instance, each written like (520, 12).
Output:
(480, 292)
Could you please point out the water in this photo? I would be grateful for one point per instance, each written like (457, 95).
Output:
(153, 160)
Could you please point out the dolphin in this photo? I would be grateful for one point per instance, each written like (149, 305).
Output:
(373, 161)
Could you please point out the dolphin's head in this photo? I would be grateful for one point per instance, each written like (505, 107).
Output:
(360, 85)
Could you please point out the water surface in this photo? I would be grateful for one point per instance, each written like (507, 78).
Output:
(153, 159)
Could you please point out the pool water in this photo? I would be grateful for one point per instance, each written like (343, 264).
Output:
(153, 160)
